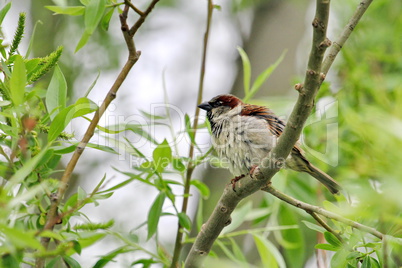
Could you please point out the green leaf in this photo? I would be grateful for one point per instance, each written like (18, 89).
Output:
(314, 227)
(190, 131)
(332, 239)
(238, 217)
(270, 256)
(20, 239)
(178, 165)
(339, 258)
(88, 238)
(31, 40)
(102, 148)
(291, 239)
(18, 81)
(105, 259)
(93, 14)
(71, 262)
(63, 118)
(226, 250)
(67, 10)
(263, 77)
(4, 11)
(370, 262)
(238, 253)
(28, 167)
(59, 123)
(106, 19)
(184, 220)
(246, 70)
(202, 187)
(4, 103)
(83, 41)
(56, 95)
(162, 156)
(76, 246)
(84, 106)
(326, 247)
(154, 214)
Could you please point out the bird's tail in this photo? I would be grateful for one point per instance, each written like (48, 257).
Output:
(324, 178)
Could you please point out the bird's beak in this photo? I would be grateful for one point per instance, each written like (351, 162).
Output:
(205, 106)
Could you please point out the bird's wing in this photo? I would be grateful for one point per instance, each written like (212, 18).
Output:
(276, 125)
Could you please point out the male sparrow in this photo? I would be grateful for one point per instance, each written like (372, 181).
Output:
(245, 134)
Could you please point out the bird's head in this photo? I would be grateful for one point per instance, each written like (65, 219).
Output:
(221, 106)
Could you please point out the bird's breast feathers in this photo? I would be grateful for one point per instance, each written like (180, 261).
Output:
(242, 141)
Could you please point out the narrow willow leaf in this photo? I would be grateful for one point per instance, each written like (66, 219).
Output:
(56, 96)
(326, 247)
(18, 81)
(67, 10)
(93, 14)
(19, 238)
(28, 167)
(332, 239)
(270, 256)
(246, 70)
(83, 41)
(314, 227)
(106, 19)
(184, 220)
(202, 188)
(4, 11)
(154, 214)
(263, 77)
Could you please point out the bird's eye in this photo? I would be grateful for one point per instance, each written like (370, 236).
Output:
(220, 102)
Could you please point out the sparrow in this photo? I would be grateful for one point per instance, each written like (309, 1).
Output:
(244, 134)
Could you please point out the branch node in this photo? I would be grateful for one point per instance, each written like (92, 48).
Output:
(311, 72)
(322, 77)
(324, 44)
(113, 95)
(299, 87)
(53, 197)
(315, 22)
(223, 209)
(228, 222)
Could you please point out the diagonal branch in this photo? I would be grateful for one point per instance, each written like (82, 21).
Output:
(133, 56)
(318, 210)
(346, 32)
(142, 18)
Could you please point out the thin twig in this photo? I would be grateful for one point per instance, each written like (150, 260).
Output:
(347, 30)
(52, 215)
(142, 18)
(139, 12)
(190, 166)
(325, 225)
(315, 209)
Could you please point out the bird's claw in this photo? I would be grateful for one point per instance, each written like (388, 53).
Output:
(252, 169)
(236, 179)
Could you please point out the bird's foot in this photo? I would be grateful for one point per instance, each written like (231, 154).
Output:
(252, 170)
(236, 179)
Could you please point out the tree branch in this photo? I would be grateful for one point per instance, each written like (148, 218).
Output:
(190, 166)
(221, 215)
(133, 56)
(338, 43)
(324, 224)
(142, 18)
(318, 210)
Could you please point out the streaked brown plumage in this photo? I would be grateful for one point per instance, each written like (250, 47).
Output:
(245, 134)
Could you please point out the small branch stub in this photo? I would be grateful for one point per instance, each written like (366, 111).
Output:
(299, 87)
